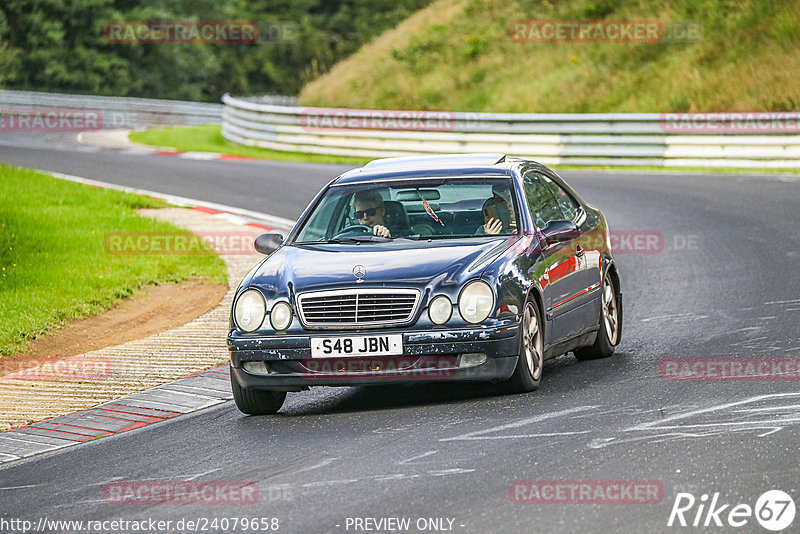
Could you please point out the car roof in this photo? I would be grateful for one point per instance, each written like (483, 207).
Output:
(440, 165)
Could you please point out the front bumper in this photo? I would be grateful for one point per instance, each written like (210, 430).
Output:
(428, 355)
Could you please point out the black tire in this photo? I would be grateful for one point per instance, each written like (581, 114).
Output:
(256, 401)
(528, 372)
(610, 331)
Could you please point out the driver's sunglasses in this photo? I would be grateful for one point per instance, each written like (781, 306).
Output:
(369, 212)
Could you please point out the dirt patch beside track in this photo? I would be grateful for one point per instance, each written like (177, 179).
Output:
(153, 310)
(177, 331)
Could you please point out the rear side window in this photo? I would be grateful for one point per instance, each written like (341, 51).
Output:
(567, 204)
(547, 201)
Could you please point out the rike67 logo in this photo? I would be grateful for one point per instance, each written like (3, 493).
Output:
(774, 510)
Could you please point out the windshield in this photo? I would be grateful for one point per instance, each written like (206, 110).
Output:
(419, 209)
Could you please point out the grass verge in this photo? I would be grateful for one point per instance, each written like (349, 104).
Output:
(672, 170)
(54, 264)
(208, 138)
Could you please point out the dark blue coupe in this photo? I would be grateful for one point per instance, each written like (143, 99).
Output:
(457, 267)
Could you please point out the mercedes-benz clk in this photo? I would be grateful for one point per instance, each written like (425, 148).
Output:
(475, 267)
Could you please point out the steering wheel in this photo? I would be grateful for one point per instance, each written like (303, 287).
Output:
(361, 228)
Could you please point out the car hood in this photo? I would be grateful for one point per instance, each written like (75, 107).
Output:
(313, 267)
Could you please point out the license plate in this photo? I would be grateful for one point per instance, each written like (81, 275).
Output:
(327, 347)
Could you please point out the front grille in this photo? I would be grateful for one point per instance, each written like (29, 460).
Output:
(358, 307)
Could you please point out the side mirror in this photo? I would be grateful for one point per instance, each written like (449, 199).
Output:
(268, 243)
(560, 232)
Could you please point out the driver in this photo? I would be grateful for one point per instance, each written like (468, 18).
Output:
(369, 211)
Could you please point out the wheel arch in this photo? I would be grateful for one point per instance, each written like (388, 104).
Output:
(613, 272)
(535, 293)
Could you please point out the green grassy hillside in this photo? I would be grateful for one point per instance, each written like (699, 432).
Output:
(458, 55)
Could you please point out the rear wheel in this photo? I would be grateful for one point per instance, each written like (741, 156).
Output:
(528, 372)
(256, 401)
(610, 324)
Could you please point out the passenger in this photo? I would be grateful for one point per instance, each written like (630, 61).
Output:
(498, 214)
(369, 211)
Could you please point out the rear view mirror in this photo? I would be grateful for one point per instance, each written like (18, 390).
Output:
(417, 194)
(268, 243)
(560, 231)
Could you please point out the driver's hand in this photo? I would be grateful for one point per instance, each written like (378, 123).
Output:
(381, 231)
(493, 226)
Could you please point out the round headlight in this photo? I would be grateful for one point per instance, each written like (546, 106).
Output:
(440, 309)
(281, 316)
(249, 310)
(476, 301)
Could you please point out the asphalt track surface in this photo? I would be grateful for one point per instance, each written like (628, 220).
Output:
(725, 285)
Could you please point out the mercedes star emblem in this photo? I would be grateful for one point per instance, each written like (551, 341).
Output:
(359, 271)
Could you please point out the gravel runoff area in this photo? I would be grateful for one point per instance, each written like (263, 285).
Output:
(113, 372)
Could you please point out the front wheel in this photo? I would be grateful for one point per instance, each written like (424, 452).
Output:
(610, 324)
(256, 401)
(528, 372)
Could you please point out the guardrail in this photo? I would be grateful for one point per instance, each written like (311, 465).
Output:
(552, 139)
(114, 112)
(124, 112)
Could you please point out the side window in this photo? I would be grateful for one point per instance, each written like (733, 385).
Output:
(328, 217)
(565, 202)
(542, 201)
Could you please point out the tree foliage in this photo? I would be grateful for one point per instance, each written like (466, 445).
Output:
(60, 46)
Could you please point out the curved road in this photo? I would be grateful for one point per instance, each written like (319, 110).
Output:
(724, 285)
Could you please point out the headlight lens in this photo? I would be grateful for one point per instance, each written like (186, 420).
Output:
(476, 301)
(281, 316)
(250, 310)
(440, 309)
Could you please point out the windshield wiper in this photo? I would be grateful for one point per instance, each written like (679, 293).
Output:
(359, 239)
(434, 237)
(347, 239)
